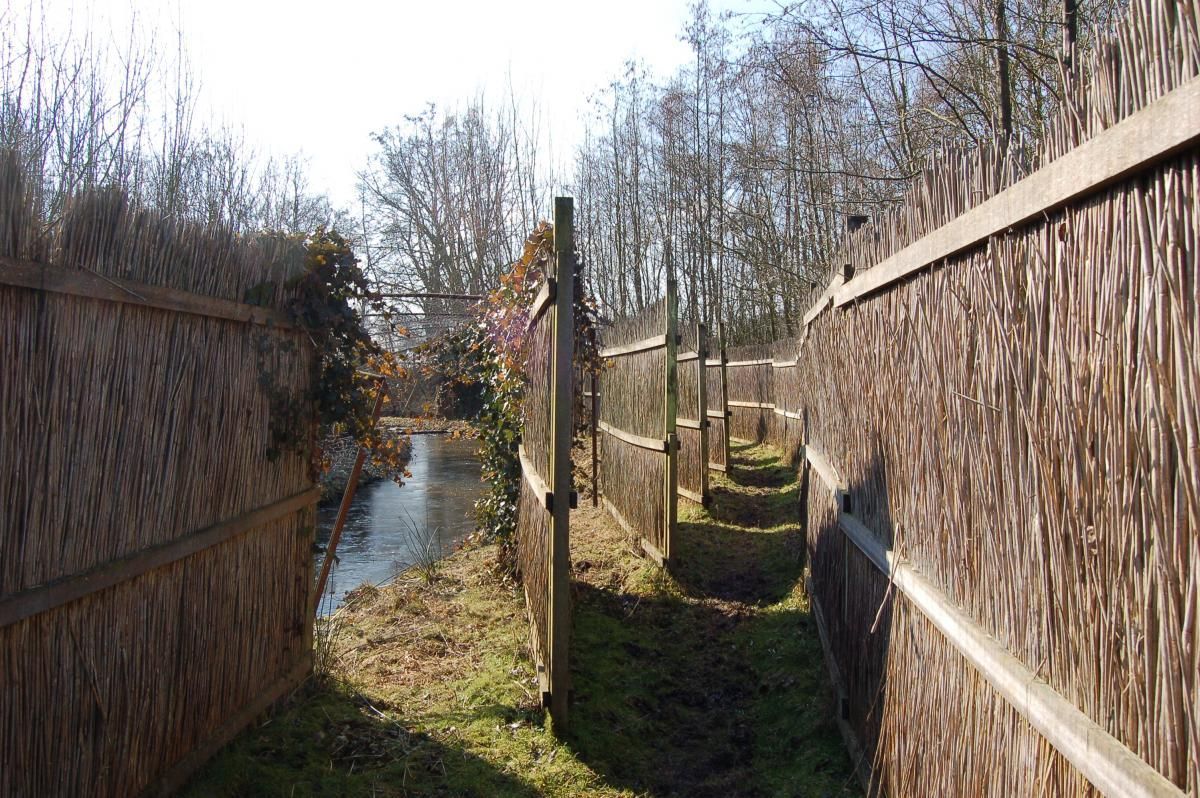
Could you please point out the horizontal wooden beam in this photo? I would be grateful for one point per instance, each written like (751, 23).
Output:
(783, 364)
(717, 467)
(653, 553)
(174, 779)
(1107, 763)
(684, 357)
(91, 285)
(1163, 128)
(718, 413)
(751, 405)
(824, 469)
(713, 362)
(644, 345)
(691, 494)
(736, 363)
(544, 299)
(788, 414)
(43, 598)
(534, 480)
(687, 423)
(653, 444)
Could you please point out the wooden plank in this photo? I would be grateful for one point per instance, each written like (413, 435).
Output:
(688, 423)
(42, 598)
(824, 469)
(736, 363)
(1167, 126)
(751, 405)
(644, 345)
(686, 357)
(653, 553)
(716, 414)
(702, 408)
(714, 362)
(653, 444)
(534, 479)
(562, 435)
(717, 466)
(76, 282)
(174, 779)
(543, 301)
(783, 364)
(698, 498)
(670, 414)
(1107, 763)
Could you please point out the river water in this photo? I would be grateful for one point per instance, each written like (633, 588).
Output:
(389, 525)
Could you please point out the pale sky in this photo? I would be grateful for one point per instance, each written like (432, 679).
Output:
(320, 77)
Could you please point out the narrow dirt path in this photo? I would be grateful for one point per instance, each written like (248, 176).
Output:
(714, 668)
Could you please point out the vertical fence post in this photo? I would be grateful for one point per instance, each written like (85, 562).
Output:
(560, 461)
(702, 406)
(595, 427)
(724, 390)
(670, 410)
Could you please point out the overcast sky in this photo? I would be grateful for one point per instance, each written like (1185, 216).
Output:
(320, 77)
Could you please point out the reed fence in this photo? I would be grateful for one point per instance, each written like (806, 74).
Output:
(998, 402)
(717, 410)
(155, 562)
(638, 443)
(692, 423)
(751, 398)
(543, 509)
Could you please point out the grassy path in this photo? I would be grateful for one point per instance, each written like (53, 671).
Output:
(704, 682)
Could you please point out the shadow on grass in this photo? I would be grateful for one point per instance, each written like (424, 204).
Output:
(326, 741)
(722, 679)
(682, 699)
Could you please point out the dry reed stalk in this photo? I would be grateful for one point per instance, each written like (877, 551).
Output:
(127, 427)
(1022, 422)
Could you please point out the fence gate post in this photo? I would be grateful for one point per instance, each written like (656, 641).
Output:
(670, 410)
(724, 390)
(560, 461)
(702, 407)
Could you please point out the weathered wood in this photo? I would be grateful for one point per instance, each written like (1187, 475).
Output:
(670, 413)
(688, 423)
(543, 301)
(1107, 763)
(687, 357)
(750, 405)
(534, 479)
(560, 462)
(76, 282)
(782, 364)
(36, 600)
(698, 498)
(824, 468)
(1156, 132)
(859, 761)
(644, 345)
(737, 363)
(702, 409)
(174, 779)
(654, 554)
(653, 444)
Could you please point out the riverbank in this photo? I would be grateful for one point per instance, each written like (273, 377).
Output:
(705, 682)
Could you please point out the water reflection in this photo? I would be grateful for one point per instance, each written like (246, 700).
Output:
(386, 523)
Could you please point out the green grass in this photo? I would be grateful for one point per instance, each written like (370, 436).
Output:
(707, 681)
